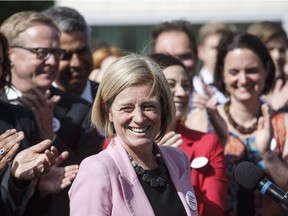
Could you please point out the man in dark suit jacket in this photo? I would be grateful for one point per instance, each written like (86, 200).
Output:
(14, 190)
(77, 63)
(22, 159)
(75, 129)
(35, 56)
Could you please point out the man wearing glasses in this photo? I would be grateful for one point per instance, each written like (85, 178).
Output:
(35, 54)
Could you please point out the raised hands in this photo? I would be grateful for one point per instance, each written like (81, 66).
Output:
(58, 178)
(217, 121)
(43, 108)
(171, 139)
(9, 145)
(264, 131)
(197, 118)
(200, 100)
(34, 161)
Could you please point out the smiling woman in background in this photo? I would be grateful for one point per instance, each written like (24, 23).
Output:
(134, 176)
(244, 72)
(204, 150)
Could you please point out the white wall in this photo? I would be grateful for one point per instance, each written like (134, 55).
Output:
(147, 12)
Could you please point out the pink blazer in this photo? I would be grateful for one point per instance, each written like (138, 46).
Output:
(108, 185)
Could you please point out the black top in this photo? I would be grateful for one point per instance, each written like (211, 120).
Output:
(164, 200)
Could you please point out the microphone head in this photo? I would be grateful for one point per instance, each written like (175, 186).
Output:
(249, 175)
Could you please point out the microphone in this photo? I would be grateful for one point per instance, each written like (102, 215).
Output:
(251, 177)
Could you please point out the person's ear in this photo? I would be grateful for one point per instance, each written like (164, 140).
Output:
(11, 56)
(110, 117)
(109, 113)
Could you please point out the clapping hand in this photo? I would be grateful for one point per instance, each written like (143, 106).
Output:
(34, 161)
(43, 108)
(197, 119)
(264, 131)
(217, 121)
(58, 178)
(171, 139)
(9, 145)
(200, 101)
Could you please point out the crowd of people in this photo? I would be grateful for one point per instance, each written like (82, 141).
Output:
(121, 133)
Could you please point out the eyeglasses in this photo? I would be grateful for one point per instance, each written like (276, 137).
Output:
(44, 53)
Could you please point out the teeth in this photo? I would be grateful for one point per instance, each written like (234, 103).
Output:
(178, 103)
(244, 88)
(139, 130)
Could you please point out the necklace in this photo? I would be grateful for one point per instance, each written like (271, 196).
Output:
(161, 180)
(238, 127)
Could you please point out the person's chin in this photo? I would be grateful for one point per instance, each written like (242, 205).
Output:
(245, 97)
(45, 84)
(178, 115)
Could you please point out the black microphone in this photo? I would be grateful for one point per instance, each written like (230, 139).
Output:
(251, 177)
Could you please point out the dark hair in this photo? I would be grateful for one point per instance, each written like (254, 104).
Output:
(248, 41)
(5, 79)
(67, 19)
(176, 25)
(166, 60)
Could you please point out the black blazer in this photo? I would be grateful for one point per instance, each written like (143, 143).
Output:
(94, 88)
(21, 119)
(75, 134)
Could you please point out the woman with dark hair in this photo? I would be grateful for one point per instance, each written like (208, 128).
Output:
(204, 150)
(244, 72)
(5, 76)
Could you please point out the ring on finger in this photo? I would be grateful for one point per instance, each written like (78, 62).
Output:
(2, 151)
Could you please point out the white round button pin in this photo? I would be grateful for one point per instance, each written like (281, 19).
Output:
(273, 144)
(55, 124)
(191, 200)
(199, 162)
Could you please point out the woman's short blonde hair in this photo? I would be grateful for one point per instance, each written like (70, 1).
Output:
(127, 71)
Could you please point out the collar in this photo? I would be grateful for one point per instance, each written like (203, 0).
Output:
(12, 94)
(86, 94)
(206, 75)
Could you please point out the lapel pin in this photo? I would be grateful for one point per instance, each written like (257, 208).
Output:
(55, 124)
(191, 200)
(199, 162)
